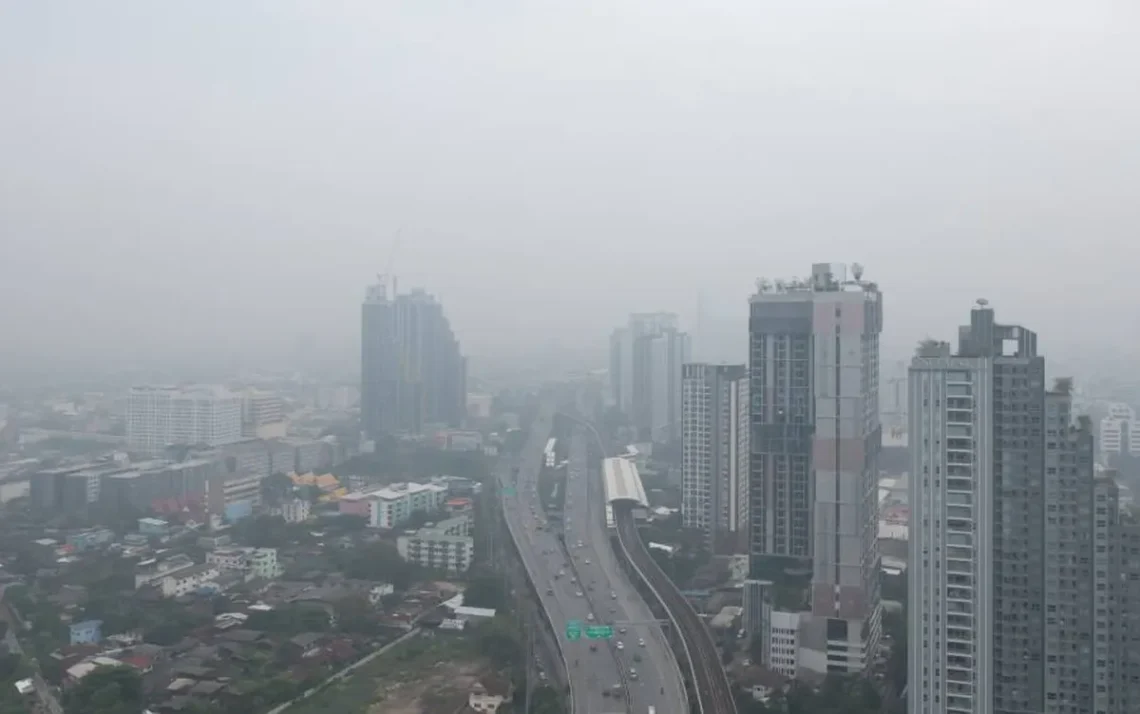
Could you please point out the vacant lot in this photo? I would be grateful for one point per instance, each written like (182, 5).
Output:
(426, 675)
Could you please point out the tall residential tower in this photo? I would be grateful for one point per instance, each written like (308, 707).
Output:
(412, 373)
(645, 373)
(815, 441)
(714, 453)
(1015, 580)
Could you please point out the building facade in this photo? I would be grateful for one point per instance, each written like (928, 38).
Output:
(1118, 432)
(445, 546)
(815, 442)
(646, 357)
(1017, 589)
(714, 454)
(412, 371)
(158, 417)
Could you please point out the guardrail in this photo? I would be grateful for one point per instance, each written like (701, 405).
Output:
(573, 563)
(668, 613)
(658, 634)
(545, 615)
(714, 693)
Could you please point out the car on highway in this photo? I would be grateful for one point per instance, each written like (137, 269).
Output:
(640, 642)
(590, 617)
(587, 561)
(593, 647)
(578, 593)
(633, 673)
(636, 657)
(613, 595)
(620, 645)
(550, 591)
(621, 630)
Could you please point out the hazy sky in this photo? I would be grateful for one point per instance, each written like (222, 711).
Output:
(227, 176)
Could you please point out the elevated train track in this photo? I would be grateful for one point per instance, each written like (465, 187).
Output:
(712, 690)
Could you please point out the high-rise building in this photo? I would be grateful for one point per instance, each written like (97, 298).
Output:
(1015, 581)
(714, 454)
(1119, 432)
(412, 372)
(815, 441)
(262, 414)
(645, 373)
(158, 417)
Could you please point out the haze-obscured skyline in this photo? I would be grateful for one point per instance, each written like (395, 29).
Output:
(209, 179)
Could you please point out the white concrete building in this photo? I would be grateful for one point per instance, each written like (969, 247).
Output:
(263, 563)
(446, 545)
(184, 582)
(296, 511)
(784, 643)
(158, 417)
(1118, 432)
(714, 454)
(263, 414)
(391, 506)
(253, 562)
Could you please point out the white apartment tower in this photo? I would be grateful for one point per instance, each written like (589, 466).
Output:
(1013, 585)
(951, 533)
(158, 417)
(714, 454)
(1118, 432)
(645, 373)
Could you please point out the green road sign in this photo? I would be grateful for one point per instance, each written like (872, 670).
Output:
(573, 630)
(509, 491)
(599, 632)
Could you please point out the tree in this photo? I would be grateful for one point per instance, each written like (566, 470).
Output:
(107, 690)
(499, 640)
(377, 561)
(355, 613)
(485, 589)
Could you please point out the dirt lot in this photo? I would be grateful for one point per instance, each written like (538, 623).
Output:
(426, 675)
(441, 690)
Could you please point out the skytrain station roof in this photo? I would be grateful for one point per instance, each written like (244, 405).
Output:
(622, 482)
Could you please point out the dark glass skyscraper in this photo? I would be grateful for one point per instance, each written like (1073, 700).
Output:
(412, 373)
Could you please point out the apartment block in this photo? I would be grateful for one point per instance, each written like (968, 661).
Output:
(159, 417)
(1018, 592)
(714, 454)
(646, 357)
(815, 440)
(446, 545)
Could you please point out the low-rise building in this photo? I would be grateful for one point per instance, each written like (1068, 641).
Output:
(296, 511)
(784, 643)
(153, 527)
(151, 571)
(188, 580)
(86, 632)
(393, 505)
(490, 693)
(443, 546)
(252, 562)
(90, 538)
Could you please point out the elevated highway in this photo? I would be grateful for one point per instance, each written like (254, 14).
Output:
(591, 666)
(646, 666)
